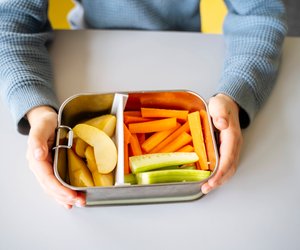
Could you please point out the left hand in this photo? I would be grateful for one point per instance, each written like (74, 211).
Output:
(43, 121)
(225, 116)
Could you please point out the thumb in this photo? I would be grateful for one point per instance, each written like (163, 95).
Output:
(40, 136)
(38, 143)
(42, 128)
(219, 110)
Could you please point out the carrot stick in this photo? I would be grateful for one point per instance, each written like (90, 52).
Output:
(135, 145)
(135, 119)
(157, 138)
(127, 139)
(126, 159)
(178, 143)
(141, 138)
(152, 126)
(198, 141)
(184, 128)
(210, 150)
(164, 113)
(129, 151)
(127, 134)
(132, 113)
(186, 148)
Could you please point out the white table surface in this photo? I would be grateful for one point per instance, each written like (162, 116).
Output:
(258, 209)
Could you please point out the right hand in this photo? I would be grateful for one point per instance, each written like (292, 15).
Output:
(225, 115)
(43, 121)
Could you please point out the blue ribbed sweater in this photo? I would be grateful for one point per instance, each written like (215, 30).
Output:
(254, 32)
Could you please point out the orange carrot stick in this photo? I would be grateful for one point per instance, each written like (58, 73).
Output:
(186, 148)
(157, 138)
(135, 145)
(198, 141)
(141, 137)
(176, 144)
(133, 113)
(210, 150)
(164, 113)
(152, 126)
(127, 134)
(127, 139)
(126, 159)
(135, 119)
(184, 128)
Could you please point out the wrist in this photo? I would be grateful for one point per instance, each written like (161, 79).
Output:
(41, 113)
(231, 102)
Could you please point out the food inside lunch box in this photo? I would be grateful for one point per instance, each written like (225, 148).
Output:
(160, 146)
(167, 145)
(93, 156)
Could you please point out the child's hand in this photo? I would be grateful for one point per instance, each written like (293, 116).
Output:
(43, 121)
(225, 115)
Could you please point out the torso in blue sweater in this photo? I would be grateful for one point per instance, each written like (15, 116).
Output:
(177, 15)
(254, 33)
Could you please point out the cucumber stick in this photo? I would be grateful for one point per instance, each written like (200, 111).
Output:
(130, 178)
(148, 162)
(185, 166)
(174, 175)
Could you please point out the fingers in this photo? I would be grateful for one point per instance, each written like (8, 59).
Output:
(43, 171)
(224, 113)
(226, 169)
(229, 157)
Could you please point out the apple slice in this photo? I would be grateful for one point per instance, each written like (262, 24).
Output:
(79, 174)
(103, 180)
(80, 146)
(105, 150)
(106, 123)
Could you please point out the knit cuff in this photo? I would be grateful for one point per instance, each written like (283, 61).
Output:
(243, 95)
(27, 97)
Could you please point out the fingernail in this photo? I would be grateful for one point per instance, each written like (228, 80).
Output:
(38, 153)
(67, 206)
(78, 204)
(222, 122)
(206, 190)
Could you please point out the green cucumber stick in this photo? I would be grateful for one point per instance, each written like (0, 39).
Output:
(168, 167)
(130, 178)
(185, 166)
(174, 175)
(148, 162)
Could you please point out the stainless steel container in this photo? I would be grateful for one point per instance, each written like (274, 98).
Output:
(84, 106)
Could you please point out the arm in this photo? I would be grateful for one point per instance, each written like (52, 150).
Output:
(254, 33)
(26, 87)
(25, 69)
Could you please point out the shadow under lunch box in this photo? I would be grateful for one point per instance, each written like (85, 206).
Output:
(88, 105)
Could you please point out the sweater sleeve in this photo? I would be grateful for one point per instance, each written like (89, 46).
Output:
(25, 68)
(254, 33)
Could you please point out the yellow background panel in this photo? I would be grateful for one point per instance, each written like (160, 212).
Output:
(212, 14)
(58, 10)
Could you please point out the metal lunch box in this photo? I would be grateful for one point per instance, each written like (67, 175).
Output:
(89, 105)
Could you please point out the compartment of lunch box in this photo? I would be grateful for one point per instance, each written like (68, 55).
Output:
(173, 100)
(74, 110)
